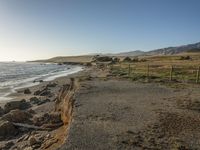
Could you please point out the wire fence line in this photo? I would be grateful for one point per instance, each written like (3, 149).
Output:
(181, 73)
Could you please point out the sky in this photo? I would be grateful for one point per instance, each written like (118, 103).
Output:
(40, 29)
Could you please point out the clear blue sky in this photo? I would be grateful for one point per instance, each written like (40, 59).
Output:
(34, 29)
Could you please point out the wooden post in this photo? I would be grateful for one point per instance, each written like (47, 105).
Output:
(171, 72)
(111, 67)
(197, 78)
(129, 69)
(148, 72)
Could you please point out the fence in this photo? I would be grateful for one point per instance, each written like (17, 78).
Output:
(159, 72)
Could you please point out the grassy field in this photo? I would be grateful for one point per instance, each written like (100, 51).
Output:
(158, 68)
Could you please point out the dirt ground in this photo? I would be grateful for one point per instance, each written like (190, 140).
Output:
(119, 114)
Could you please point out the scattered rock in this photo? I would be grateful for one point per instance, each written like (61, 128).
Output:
(8, 145)
(51, 85)
(31, 111)
(53, 126)
(34, 100)
(43, 101)
(53, 118)
(49, 143)
(28, 148)
(44, 92)
(7, 129)
(32, 141)
(27, 91)
(36, 146)
(16, 105)
(17, 116)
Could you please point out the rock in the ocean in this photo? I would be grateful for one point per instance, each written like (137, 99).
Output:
(27, 91)
(17, 116)
(16, 105)
(7, 129)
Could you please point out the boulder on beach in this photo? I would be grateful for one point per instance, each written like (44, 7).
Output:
(43, 101)
(7, 145)
(7, 129)
(17, 116)
(47, 118)
(27, 91)
(51, 85)
(44, 92)
(22, 104)
(34, 100)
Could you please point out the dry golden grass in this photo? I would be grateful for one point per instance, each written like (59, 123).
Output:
(160, 66)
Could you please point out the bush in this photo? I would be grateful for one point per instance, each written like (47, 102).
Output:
(135, 59)
(185, 58)
(102, 58)
(127, 59)
(115, 60)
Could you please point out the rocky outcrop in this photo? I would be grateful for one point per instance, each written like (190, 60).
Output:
(17, 116)
(52, 118)
(51, 85)
(43, 92)
(27, 91)
(34, 100)
(7, 129)
(16, 105)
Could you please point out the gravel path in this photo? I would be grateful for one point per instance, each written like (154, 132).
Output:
(117, 114)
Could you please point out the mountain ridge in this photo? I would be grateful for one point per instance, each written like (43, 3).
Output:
(163, 51)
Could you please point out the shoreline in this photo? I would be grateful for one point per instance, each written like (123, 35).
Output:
(29, 84)
(40, 107)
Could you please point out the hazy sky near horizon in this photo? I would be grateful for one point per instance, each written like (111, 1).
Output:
(36, 29)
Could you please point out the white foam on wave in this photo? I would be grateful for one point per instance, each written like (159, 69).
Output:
(29, 82)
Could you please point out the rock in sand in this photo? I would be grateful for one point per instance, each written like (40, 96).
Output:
(16, 105)
(7, 129)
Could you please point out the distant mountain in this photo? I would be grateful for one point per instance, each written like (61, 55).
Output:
(163, 51)
(175, 50)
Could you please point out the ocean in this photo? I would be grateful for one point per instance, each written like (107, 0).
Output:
(15, 75)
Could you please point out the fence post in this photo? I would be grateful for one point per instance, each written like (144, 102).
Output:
(111, 67)
(197, 77)
(171, 72)
(148, 72)
(129, 69)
